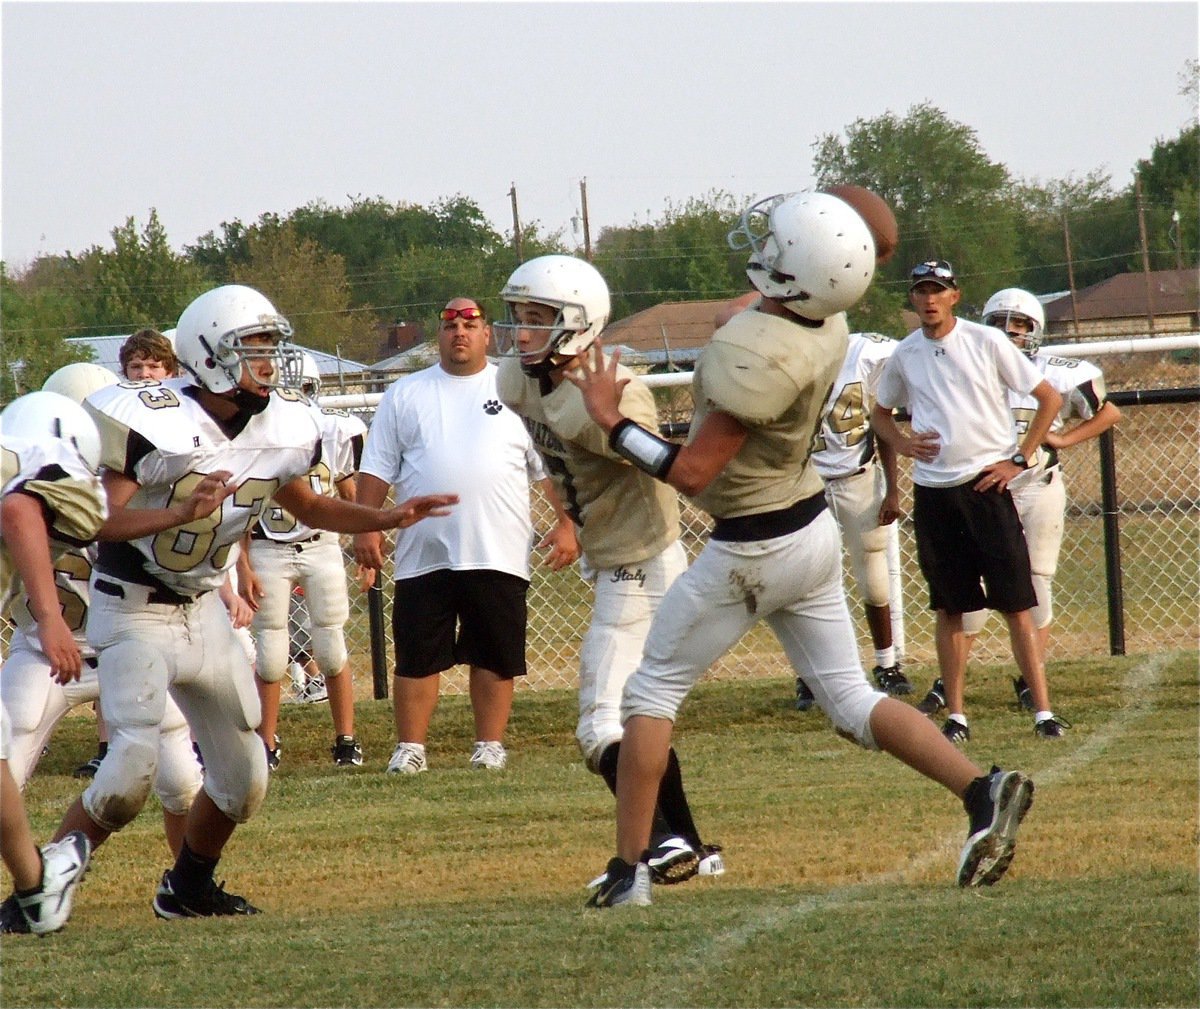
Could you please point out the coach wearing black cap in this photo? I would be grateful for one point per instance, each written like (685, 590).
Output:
(954, 376)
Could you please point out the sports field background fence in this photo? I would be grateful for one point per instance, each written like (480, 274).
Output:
(1158, 504)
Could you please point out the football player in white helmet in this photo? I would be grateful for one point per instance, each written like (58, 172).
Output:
(189, 466)
(628, 523)
(1040, 492)
(774, 553)
(36, 701)
(50, 500)
(284, 552)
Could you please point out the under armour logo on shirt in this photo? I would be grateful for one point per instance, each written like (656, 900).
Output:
(939, 351)
(492, 407)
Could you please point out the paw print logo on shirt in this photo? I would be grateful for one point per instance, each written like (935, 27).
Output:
(492, 407)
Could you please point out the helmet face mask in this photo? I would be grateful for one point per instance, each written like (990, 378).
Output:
(39, 415)
(218, 340)
(812, 252)
(572, 289)
(1014, 303)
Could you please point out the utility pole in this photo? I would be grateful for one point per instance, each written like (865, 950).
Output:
(512, 194)
(1178, 240)
(1071, 277)
(1141, 209)
(587, 232)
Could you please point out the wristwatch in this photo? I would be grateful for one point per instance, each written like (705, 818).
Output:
(1020, 461)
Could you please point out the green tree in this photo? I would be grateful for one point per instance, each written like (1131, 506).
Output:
(37, 311)
(683, 256)
(1169, 186)
(950, 199)
(141, 281)
(308, 285)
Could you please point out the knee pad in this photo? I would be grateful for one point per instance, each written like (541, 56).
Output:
(122, 782)
(329, 649)
(240, 786)
(875, 581)
(1043, 611)
(272, 654)
(179, 776)
(850, 711)
(598, 752)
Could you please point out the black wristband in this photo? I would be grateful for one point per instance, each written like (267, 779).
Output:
(646, 450)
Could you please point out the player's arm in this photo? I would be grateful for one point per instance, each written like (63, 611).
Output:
(133, 523)
(249, 585)
(1099, 422)
(339, 516)
(561, 543)
(688, 468)
(23, 527)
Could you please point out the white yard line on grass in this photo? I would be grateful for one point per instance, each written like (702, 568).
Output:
(1137, 686)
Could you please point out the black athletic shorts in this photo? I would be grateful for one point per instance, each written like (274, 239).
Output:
(964, 536)
(460, 618)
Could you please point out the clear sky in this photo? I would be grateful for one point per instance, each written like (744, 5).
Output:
(215, 111)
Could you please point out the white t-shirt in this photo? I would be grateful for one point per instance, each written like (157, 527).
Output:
(844, 444)
(958, 386)
(437, 433)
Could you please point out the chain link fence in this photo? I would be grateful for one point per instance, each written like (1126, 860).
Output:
(1158, 498)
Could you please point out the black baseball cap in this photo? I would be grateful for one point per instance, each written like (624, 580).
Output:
(937, 271)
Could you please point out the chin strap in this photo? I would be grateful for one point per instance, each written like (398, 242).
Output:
(646, 450)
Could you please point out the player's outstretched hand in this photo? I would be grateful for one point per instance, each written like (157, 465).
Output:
(417, 508)
(597, 380)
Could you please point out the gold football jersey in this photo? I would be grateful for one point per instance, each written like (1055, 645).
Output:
(774, 376)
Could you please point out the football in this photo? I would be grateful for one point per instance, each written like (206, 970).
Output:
(873, 209)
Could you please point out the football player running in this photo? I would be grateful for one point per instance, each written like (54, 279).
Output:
(1039, 492)
(36, 701)
(284, 552)
(50, 499)
(628, 523)
(760, 388)
(189, 466)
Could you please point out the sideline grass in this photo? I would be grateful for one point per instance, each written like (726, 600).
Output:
(459, 888)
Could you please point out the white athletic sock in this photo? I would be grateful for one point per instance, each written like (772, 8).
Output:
(885, 657)
(958, 717)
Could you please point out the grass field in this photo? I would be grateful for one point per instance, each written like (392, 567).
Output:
(462, 888)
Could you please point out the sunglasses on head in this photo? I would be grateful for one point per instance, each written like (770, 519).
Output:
(472, 312)
(939, 269)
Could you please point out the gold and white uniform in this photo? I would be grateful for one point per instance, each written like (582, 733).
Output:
(846, 458)
(36, 703)
(775, 552)
(155, 622)
(73, 501)
(628, 527)
(285, 552)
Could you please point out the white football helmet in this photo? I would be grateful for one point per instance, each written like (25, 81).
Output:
(310, 375)
(811, 251)
(575, 288)
(208, 338)
(39, 415)
(1012, 301)
(79, 380)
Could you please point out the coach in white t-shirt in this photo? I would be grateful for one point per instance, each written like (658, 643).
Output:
(461, 587)
(954, 377)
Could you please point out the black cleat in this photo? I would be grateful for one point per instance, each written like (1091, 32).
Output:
(211, 902)
(935, 700)
(804, 696)
(1024, 694)
(996, 805)
(891, 681)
